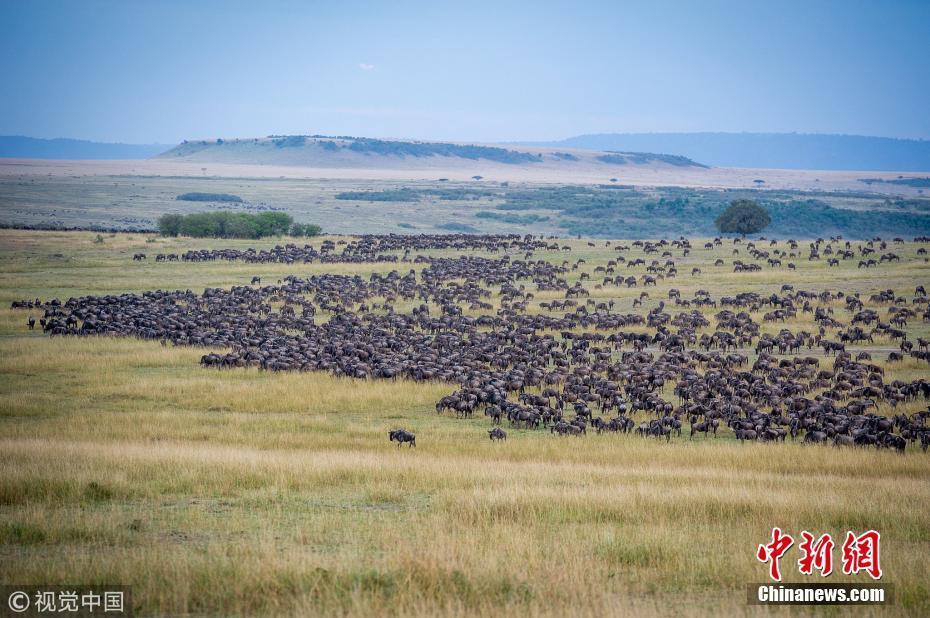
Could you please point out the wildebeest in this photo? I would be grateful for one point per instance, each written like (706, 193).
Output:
(401, 436)
(468, 325)
(497, 434)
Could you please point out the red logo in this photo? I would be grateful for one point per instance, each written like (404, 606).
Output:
(816, 554)
(773, 552)
(860, 553)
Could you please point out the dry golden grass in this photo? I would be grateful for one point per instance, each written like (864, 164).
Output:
(243, 492)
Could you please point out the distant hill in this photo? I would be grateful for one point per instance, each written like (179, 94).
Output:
(19, 147)
(349, 152)
(745, 150)
(769, 150)
(323, 150)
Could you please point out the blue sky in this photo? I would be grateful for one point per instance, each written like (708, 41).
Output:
(489, 71)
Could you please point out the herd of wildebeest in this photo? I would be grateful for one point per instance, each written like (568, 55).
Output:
(570, 364)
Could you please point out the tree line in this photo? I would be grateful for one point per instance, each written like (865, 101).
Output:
(226, 224)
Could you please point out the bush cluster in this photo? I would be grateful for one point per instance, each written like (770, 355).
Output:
(226, 224)
(208, 197)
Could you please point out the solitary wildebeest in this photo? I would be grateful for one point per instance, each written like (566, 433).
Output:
(497, 434)
(400, 436)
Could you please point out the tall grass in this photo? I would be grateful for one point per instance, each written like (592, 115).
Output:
(244, 492)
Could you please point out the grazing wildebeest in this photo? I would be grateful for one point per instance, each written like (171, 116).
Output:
(467, 325)
(815, 436)
(497, 434)
(400, 436)
(703, 426)
(843, 440)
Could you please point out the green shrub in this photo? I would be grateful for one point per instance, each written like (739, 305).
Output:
(226, 224)
(208, 197)
(306, 229)
(743, 217)
(170, 225)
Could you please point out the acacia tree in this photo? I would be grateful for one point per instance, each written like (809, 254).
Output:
(743, 217)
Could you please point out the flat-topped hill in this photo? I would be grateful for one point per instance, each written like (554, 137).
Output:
(362, 152)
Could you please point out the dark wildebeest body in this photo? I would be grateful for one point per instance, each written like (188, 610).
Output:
(400, 436)
(497, 434)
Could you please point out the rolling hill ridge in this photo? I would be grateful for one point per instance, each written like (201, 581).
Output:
(342, 151)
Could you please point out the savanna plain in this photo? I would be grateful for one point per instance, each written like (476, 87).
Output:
(241, 491)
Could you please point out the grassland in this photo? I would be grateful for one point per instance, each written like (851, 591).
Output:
(134, 201)
(245, 492)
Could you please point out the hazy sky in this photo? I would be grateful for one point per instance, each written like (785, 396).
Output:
(495, 71)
